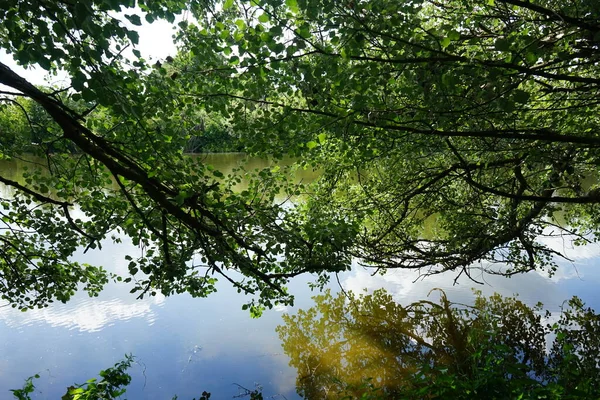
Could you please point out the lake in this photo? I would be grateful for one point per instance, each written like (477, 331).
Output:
(184, 346)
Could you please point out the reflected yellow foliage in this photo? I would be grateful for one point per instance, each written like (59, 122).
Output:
(369, 346)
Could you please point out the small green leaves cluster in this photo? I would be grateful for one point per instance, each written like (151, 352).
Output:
(112, 385)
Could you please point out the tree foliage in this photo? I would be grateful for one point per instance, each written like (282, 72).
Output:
(370, 347)
(112, 385)
(482, 117)
(480, 120)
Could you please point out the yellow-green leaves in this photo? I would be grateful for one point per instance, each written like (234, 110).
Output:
(321, 138)
(293, 5)
(457, 349)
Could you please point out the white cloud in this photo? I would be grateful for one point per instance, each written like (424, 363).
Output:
(564, 245)
(280, 308)
(89, 315)
(406, 286)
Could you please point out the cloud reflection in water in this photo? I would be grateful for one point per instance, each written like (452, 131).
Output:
(86, 315)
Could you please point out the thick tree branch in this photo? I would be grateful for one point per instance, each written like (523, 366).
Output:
(120, 165)
(37, 196)
(526, 134)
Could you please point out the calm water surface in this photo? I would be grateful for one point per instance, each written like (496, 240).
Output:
(184, 346)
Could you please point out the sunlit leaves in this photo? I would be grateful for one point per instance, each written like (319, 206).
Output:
(293, 5)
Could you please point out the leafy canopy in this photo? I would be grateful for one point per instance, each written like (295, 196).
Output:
(447, 133)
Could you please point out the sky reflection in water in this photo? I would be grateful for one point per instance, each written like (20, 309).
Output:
(187, 345)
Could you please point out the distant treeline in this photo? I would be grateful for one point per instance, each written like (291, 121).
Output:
(213, 139)
(25, 126)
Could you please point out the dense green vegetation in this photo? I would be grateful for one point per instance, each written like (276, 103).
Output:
(370, 347)
(481, 117)
(498, 348)
(26, 127)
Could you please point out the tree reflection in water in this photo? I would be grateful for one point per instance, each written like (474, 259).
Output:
(368, 346)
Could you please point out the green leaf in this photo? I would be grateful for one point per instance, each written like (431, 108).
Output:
(454, 35)
(240, 24)
(81, 12)
(133, 36)
(263, 18)
(502, 44)
(88, 95)
(520, 96)
(449, 80)
(44, 63)
(134, 19)
(531, 57)
(228, 4)
(293, 5)
(311, 144)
